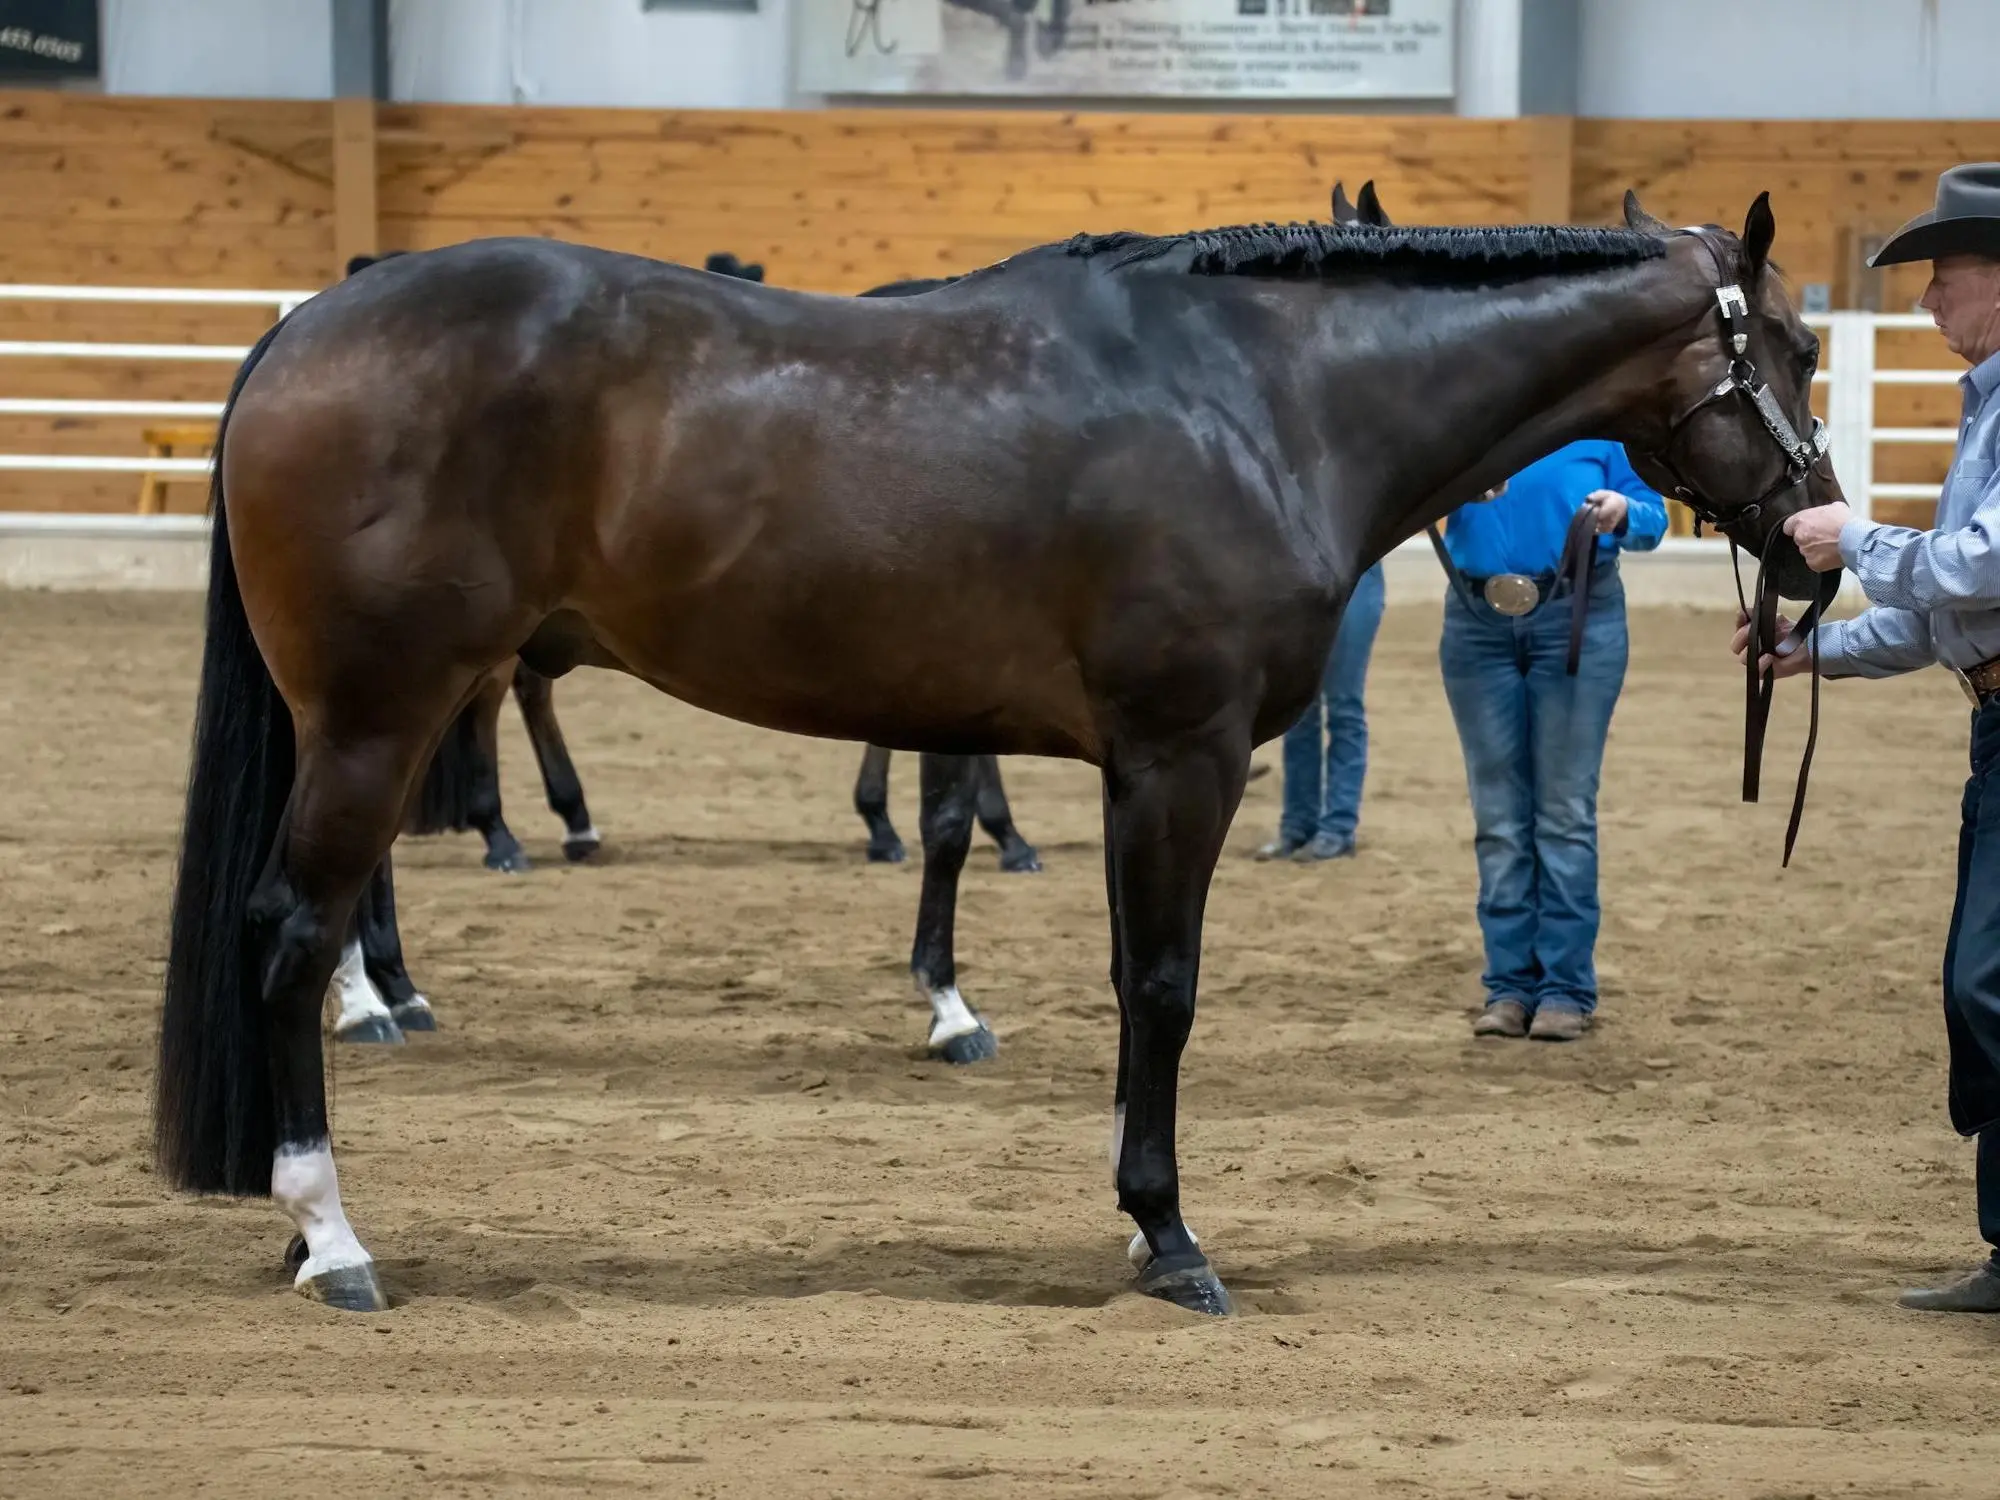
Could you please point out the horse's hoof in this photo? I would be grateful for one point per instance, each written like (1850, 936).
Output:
(887, 854)
(1191, 1284)
(509, 861)
(578, 847)
(973, 1047)
(414, 1014)
(295, 1254)
(378, 1030)
(1021, 860)
(349, 1288)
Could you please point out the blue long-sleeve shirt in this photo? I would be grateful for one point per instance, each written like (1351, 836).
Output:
(1523, 530)
(1936, 593)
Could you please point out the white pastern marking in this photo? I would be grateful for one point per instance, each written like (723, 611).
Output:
(418, 1002)
(952, 1016)
(583, 836)
(1139, 1252)
(307, 1188)
(353, 992)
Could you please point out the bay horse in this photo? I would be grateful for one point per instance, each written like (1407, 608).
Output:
(1104, 500)
(377, 1002)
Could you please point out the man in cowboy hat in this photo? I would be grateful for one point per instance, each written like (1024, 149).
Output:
(1937, 599)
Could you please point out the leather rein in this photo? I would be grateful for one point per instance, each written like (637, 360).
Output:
(1802, 456)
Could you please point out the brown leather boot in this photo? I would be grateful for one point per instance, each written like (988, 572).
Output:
(1977, 1292)
(1505, 1018)
(1558, 1023)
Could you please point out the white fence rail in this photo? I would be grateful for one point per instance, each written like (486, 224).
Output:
(278, 303)
(1851, 377)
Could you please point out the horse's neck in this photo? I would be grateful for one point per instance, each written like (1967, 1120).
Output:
(1499, 377)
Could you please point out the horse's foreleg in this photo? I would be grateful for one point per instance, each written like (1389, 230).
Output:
(1017, 855)
(871, 800)
(503, 850)
(536, 695)
(342, 816)
(382, 952)
(1166, 821)
(950, 791)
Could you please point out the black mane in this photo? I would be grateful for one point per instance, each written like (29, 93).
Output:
(1434, 252)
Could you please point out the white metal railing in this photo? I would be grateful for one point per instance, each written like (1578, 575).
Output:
(1851, 378)
(280, 303)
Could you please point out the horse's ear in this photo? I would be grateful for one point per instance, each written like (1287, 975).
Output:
(1760, 227)
(1343, 211)
(1370, 207)
(1637, 217)
(753, 272)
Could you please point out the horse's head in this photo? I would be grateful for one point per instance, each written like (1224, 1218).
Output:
(1734, 438)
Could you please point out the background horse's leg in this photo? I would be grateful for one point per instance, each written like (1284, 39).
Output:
(382, 952)
(871, 800)
(950, 791)
(503, 850)
(536, 695)
(1167, 821)
(361, 1014)
(1017, 855)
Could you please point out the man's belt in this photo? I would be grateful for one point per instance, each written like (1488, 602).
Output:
(1979, 682)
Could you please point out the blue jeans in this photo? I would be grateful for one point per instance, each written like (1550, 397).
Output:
(1330, 803)
(1534, 743)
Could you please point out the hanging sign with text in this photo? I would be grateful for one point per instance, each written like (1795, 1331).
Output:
(1233, 49)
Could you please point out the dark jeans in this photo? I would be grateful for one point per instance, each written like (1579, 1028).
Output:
(1534, 738)
(1330, 803)
(1972, 968)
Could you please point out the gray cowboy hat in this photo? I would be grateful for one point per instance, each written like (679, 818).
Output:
(1966, 220)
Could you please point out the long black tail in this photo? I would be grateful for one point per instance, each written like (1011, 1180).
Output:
(444, 804)
(214, 1119)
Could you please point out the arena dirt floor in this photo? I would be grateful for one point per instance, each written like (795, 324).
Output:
(674, 1204)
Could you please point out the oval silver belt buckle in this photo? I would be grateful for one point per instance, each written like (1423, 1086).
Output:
(1512, 594)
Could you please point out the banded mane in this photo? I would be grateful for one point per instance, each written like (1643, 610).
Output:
(1440, 253)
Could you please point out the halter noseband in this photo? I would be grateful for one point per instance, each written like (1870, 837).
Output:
(1802, 455)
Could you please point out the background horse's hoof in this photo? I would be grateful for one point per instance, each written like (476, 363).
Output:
(349, 1288)
(891, 853)
(1193, 1285)
(509, 861)
(380, 1030)
(295, 1254)
(414, 1014)
(1021, 859)
(974, 1047)
(578, 847)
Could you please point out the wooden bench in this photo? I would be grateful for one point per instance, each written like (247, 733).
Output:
(161, 443)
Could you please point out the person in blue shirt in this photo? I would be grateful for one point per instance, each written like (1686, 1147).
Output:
(1321, 805)
(1533, 735)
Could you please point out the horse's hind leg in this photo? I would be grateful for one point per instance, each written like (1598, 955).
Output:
(1167, 817)
(950, 792)
(346, 802)
(871, 800)
(1017, 855)
(382, 953)
(536, 695)
(503, 850)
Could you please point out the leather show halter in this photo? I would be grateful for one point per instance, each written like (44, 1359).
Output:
(1802, 457)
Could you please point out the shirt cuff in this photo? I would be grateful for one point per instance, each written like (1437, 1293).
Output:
(1831, 638)
(1853, 537)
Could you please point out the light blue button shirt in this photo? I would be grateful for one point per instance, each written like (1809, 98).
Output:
(1936, 593)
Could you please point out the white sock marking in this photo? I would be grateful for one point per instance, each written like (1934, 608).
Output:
(583, 836)
(354, 992)
(307, 1188)
(1139, 1252)
(952, 1017)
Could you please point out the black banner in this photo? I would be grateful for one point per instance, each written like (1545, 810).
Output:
(49, 39)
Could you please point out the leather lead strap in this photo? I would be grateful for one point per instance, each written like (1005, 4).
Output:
(1578, 563)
